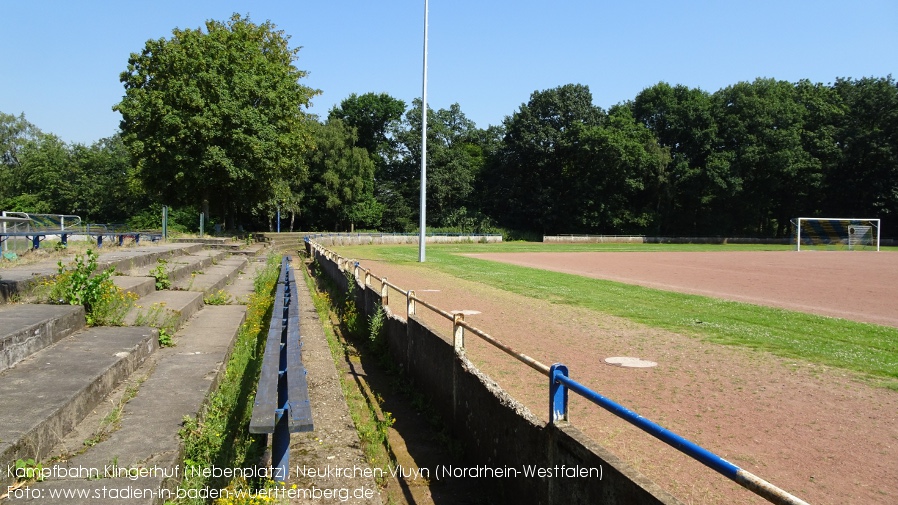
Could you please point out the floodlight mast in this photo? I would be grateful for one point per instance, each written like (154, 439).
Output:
(422, 224)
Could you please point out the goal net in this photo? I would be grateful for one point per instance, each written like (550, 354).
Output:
(844, 234)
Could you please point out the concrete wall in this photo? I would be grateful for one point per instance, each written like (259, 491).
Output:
(639, 239)
(330, 239)
(594, 239)
(494, 429)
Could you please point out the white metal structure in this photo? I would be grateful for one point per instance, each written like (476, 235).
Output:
(423, 221)
(837, 233)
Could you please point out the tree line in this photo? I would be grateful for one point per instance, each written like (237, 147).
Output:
(674, 161)
(217, 121)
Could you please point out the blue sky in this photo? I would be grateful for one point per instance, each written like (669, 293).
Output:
(61, 60)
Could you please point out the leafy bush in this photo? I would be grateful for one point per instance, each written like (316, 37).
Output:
(161, 275)
(180, 220)
(81, 284)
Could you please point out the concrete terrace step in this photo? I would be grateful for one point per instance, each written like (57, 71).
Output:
(148, 433)
(214, 277)
(140, 286)
(46, 395)
(18, 281)
(254, 249)
(207, 241)
(124, 259)
(181, 267)
(165, 309)
(227, 244)
(243, 285)
(26, 329)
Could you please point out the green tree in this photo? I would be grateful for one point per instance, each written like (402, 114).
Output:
(454, 163)
(216, 117)
(615, 177)
(107, 190)
(14, 132)
(341, 191)
(761, 125)
(865, 182)
(373, 115)
(699, 185)
(824, 110)
(376, 118)
(45, 179)
(528, 179)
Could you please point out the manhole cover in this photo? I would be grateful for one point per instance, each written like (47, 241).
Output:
(628, 362)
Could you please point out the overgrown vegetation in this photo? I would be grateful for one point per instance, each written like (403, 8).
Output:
(160, 274)
(81, 283)
(165, 338)
(157, 316)
(376, 336)
(220, 297)
(220, 436)
(371, 421)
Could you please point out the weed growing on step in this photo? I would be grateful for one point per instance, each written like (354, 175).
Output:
(220, 297)
(219, 436)
(192, 280)
(165, 338)
(29, 470)
(81, 283)
(160, 273)
(111, 422)
(156, 316)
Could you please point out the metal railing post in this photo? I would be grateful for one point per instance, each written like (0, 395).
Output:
(458, 331)
(410, 302)
(558, 394)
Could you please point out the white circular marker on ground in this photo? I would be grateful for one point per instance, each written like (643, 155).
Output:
(628, 362)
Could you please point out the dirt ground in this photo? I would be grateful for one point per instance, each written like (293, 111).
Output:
(862, 286)
(819, 433)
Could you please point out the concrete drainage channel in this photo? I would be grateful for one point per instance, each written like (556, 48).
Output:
(414, 445)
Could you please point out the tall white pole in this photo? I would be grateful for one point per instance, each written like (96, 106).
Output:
(422, 225)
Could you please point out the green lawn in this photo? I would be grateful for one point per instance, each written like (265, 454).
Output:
(869, 349)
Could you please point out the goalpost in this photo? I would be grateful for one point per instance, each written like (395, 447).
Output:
(831, 233)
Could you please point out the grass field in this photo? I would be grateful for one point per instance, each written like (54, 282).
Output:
(870, 350)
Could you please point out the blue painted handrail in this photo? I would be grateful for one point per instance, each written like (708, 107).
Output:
(560, 383)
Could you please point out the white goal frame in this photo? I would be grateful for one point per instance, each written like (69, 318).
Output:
(852, 221)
